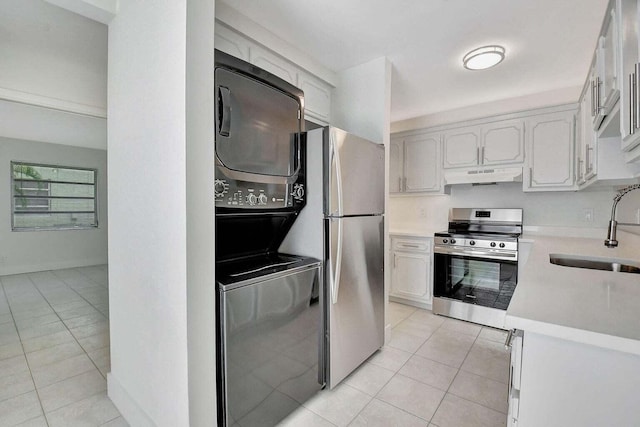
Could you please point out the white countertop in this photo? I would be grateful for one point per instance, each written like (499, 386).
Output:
(595, 307)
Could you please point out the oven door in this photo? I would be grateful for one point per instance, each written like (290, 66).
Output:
(475, 280)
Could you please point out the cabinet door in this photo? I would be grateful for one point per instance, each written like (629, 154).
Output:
(409, 276)
(228, 41)
(550, 142)
(609, 65)
(422, 163)
(317, 98)
(396, 159)
(274, 64)
(502, 143)
(462, 147)
(629, 125)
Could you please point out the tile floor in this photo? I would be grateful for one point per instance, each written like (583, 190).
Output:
(54, 349)
(434, 372)
(54, 356)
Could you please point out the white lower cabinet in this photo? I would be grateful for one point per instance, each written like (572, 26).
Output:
(411, 270)
(558, 382)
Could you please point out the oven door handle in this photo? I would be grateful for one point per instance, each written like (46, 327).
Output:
(475, 253)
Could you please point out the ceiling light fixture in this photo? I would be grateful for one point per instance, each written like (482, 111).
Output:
(483, 57)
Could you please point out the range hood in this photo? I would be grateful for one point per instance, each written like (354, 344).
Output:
(482, 176)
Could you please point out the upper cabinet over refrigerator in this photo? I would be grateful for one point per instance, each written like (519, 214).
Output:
(355, 181)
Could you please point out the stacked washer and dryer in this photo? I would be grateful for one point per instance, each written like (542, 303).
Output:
(269, 313)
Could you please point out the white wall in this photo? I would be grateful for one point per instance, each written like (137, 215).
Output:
(28, 251)
(52, 57)
(361, 102)
(147, 212)
(505, 106)
(553, 209)
(200, 213)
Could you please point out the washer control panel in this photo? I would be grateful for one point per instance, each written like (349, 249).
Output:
(249, 195)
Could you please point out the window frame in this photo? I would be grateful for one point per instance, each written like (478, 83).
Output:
(49, 212)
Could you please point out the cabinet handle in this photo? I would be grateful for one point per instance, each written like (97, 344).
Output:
(482, 156)
(593, 95)
(579, 169)
(636, 96)
(478, 155)
(395, 263)
(599, 106)
(587, 162)
(406, 245)
(530, 177)
(632, 113)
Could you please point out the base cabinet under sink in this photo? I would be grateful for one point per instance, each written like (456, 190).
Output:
(557, 383)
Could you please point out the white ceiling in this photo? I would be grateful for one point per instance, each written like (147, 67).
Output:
(549, 44)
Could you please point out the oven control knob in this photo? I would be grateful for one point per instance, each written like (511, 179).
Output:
(472, 242)
(501, 245)
(493, 244)
(445, 241)
(262, 199)
(453, 241)
(252, 199)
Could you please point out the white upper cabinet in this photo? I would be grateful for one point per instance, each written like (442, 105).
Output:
(629, 73)
(415, 164)
(462, 147)
(396, 165)
(275, 64)
(317, 93)
(489, 144)
(550, 152)
(421, 164)
(231, 42)
(604, 87)
(502, 143)
(317, 97)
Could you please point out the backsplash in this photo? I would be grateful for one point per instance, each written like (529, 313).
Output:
(554, 209)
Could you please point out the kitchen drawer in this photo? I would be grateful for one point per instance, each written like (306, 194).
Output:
(411, 244)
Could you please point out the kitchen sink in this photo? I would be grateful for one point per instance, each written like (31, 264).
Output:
(595, 263)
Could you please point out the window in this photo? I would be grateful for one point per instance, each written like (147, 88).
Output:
(53, 197)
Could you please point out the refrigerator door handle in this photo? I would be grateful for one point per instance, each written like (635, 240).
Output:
(335, 282)
(338, 171)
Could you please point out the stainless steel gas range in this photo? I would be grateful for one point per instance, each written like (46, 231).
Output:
(476, 264)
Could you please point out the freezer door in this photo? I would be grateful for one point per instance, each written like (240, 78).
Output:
(355, 286)
(355, 178)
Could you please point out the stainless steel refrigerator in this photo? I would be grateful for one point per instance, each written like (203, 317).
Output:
(343, 224)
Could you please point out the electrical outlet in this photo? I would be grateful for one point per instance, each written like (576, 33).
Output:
(3, 260)
(423, 213)
(587, 214)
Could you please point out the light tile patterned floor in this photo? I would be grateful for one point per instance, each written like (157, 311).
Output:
(54, 356)
(435, 372)
(54, 349)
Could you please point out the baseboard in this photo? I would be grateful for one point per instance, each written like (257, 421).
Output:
(128, 407)
(407, 301)
(58, 265)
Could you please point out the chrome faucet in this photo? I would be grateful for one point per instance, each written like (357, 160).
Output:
(611, 241)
